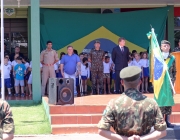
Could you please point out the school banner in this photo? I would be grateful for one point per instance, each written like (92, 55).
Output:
(81, 29)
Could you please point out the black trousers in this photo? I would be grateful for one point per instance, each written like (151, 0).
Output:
(118, 79)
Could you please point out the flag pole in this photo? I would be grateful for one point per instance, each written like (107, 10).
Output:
(2, 49)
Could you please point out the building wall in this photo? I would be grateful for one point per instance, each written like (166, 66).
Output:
(19, 13)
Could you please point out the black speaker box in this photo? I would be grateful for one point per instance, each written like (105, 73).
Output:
(61, 91)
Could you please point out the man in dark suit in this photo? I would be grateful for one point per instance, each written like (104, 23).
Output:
(120, 57)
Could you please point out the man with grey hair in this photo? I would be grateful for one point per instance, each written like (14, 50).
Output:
(70, 63)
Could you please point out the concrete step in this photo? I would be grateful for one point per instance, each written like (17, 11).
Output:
(92, 118)
(75, 118)
(87, 109)
(173, 134)
(175, 117)
(74, 128)
(77, 109)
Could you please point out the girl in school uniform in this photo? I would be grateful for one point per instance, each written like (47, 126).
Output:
(59, 75)
(145, 66)
(114, 77)
(7, 56)
(106, 74)
(27, 74)
(137, 62)
(30, 78)
(13, 64)
(130, 61)
(56, 70)
(85, 74)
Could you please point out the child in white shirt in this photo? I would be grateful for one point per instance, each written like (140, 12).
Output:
(30, 78)
(7, 79)
(59, 75)
(114, 76)
(27, 74)
(106, 74)
(130, 62)
(145, 66)
(137, 62)
(14, 62)
(81, 56)
(85, 74)
(7, 56)
(56, 69)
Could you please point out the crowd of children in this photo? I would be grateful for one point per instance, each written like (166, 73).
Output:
(18, 76)
(18, 73)
(141, 60)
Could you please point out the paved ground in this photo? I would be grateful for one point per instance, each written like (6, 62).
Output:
(62, 137)
(66, 137)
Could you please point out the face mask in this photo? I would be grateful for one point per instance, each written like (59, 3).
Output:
(165, 55)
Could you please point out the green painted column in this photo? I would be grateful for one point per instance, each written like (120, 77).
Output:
(29, 32)
(35, 49)
(171, 26)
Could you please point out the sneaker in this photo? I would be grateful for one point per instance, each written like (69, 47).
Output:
(100, 91)
(94, 92)
(85, 93)
(16, 94)
(82, 94)
(10, 95)
(22, 95)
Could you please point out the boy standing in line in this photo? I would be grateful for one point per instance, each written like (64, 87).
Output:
(19, 72)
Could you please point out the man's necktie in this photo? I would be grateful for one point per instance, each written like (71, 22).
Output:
(122, 49)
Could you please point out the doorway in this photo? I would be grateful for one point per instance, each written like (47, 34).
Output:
(16, 34)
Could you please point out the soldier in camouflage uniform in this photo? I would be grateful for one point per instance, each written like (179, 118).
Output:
(177, 49)
(96, 57)
(170, 61)
(7, 122)
(132, 114)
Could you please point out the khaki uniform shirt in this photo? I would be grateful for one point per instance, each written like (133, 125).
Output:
(96, 57)
(6, 118)
(132, 114)
(49, 57)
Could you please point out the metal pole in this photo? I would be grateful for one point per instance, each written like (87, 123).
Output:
(2, 49)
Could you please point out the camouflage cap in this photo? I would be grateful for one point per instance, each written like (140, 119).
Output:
(96, 41)
(130, 73)
(165, 42)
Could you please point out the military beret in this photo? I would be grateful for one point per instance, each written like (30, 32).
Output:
(130, 73)
(165, 42)
(97, 41)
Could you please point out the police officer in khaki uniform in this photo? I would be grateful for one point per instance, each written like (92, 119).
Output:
(132, 115)
(48, 58)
